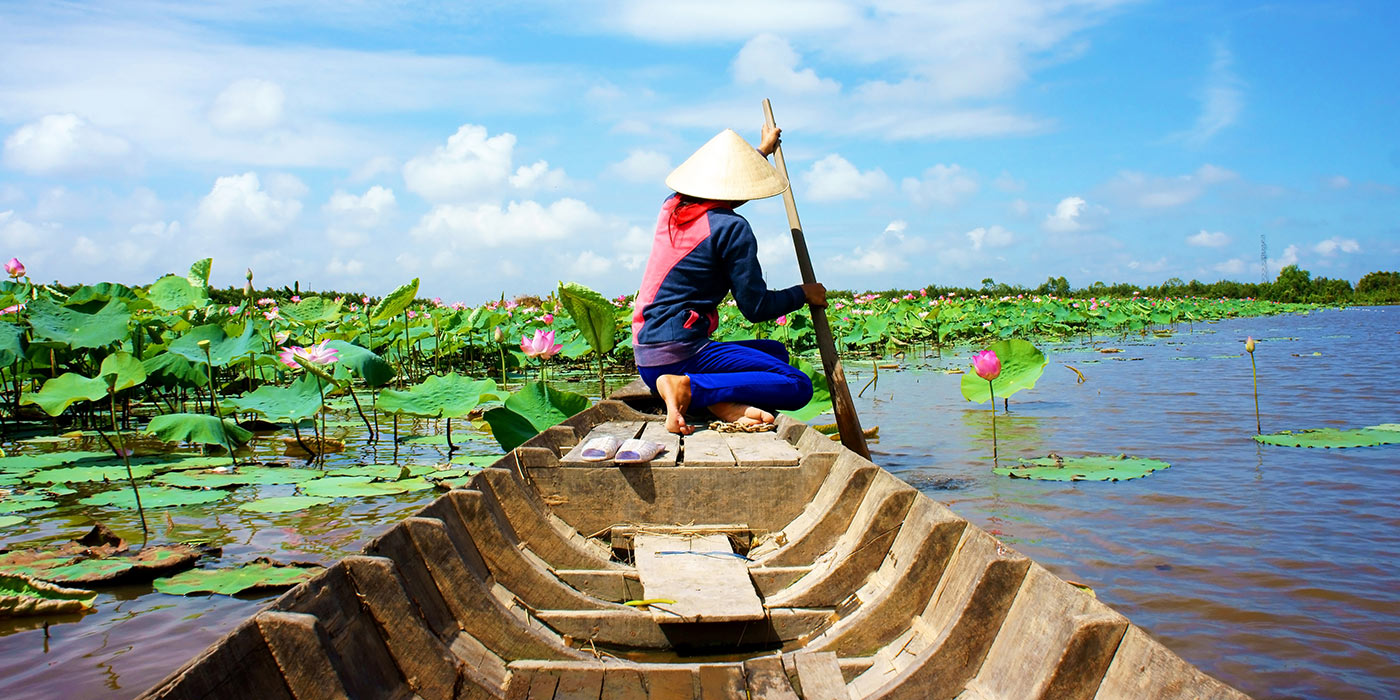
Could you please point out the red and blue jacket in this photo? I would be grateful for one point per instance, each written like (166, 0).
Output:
(708, 252)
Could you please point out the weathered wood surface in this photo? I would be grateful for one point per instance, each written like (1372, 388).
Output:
(706, 448)
(761, 450)
(655, 431)
(819, 674)
(708, 586)
(622, 430)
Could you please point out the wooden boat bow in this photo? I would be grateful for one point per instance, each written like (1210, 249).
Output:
(790, 568)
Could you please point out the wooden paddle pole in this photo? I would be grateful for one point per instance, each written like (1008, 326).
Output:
(852, 436)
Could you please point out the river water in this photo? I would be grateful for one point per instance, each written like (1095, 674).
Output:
(1275, 569)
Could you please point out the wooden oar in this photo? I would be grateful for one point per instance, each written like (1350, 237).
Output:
(846, 419)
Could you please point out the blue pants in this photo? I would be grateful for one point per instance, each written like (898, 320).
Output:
(753, 372)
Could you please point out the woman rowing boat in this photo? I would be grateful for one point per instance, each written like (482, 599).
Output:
(702, 252)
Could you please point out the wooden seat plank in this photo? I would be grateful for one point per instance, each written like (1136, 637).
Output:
(709, 585)
(721, 682)
(819, 674)
(655, 431)
(619, 429)
(766, 679)
(762, 450)
(706, 448)
(579, 684)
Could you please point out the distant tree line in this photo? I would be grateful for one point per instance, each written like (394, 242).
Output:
(1293, 284)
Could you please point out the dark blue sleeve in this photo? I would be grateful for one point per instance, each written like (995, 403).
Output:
(739, 250)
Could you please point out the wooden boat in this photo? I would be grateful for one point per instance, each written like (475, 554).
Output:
(775, 565)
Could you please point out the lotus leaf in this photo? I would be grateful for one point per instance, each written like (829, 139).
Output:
(1387, 426)
(65, 390)
(439, 396)
(172, 293)
(1087, 468)
(396, 302)
(1021, 366)
(312, 310)
(197, 428)
(298, 400)
(476, 460)
(124, 371)
(8, 520)
(223, 348)
(100, 292)
(370, 367)
(350, 487)
(65, 569)
(261, 575)
(1332, 437)
(243, 477)
(22, 596)
(172, 367)
(595, 316)
(154, 497)
(283, 504)
(530, 411)
(12, 344)
(106, 471)
(77, 329)
(24, 464)
(198, 275)
(385, 471)
(18, 503)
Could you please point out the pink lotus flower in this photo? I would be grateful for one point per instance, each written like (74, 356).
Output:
(266, 301)
(12, 309)
(987, 365)
(364, 300)
(271, 314)
(317, 354)
(547, 318)
(296, 299)
(14, 267)
(233, 310)
(412, 313)
(541, 346)
(280, 337)
(782, 320)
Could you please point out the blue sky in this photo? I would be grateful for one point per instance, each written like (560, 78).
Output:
(500, 147)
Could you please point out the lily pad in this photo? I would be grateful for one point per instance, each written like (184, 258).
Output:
(476, 460)
(18, 503)
(369, 366)
(23, 464)
(107, 471)
(1087, 468)
(1332, 437)
(22, 596)
(1021, 366)
(439, 396)
(350, 487)
(197, 428)
(531, 410)
(385, 471)
(154, 497)
(260, 576)
(243, 477)
(283, 504)
(77, 329)
(8, 520)
(65, 390)
(223, 348)
(298, 400)
(395, 302)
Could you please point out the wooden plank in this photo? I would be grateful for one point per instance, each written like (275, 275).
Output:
(579, 684)
(669, 683)
(623, 684)
(542, 685)
(819, 674)
(761, 450)
(708, 586)
(721, 682)
(655, 431)
(766, 679)
(706, 448)
(621, 430)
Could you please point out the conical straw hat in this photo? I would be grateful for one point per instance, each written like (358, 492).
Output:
(727, 169)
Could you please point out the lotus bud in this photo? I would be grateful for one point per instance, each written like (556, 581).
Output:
(250, 274)
(1249, 345)
(498, 335)
(14, 268)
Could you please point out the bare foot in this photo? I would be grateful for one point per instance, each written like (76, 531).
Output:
(741, 413)
(675, 391)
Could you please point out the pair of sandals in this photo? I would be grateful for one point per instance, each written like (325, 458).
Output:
(629, 451)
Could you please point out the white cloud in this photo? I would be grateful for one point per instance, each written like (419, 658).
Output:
(990, 237)
(1066, 215)
(1289, 257)
(770, 60)
(589, 264)
(1152, 192)
(516, 224)
(1337, 244)
(634, 248)
(64, 144)
(470, 167)
(1020, 207)
(1222, 98)
(1208, 239)
(1337, 182)
(833, 179)
(946, 185)
(1233, 266)
(15, 232)
(239, 205)
(344, 268)
(247, 105)
(641, 166)
(890, 251)
(538, 176)
(1006, 183)
(368, 210)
